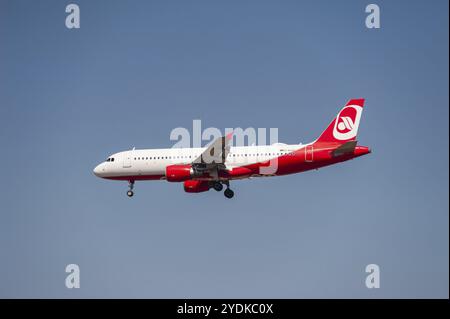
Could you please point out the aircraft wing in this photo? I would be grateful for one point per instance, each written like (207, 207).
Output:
(213, 158)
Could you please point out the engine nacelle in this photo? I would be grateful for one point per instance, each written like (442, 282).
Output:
(194, 186)
(179, 173)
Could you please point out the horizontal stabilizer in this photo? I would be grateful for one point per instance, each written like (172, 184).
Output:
(346, 148)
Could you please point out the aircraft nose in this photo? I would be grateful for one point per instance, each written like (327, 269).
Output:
(98, 170)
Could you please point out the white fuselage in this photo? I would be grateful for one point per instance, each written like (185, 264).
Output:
(153, 162)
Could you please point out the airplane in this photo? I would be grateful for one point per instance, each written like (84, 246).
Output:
(200, 169)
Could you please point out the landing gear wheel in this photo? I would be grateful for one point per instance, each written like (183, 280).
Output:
(130, 191)
(217, 186)
(228, 193)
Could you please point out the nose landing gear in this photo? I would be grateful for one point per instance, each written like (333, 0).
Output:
(130, 192)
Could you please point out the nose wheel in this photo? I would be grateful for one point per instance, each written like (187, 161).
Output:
(130, 192)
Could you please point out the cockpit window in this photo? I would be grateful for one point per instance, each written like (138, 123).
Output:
(112, 159)
(108, 160)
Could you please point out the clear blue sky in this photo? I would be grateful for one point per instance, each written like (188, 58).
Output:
(137, 69)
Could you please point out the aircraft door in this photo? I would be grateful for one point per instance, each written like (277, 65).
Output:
(127, 160)
(309, 153)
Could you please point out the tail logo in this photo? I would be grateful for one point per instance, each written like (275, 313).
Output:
(347, 122)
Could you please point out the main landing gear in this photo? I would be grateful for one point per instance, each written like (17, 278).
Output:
(228, 192)
(130, 192)
(218, 186)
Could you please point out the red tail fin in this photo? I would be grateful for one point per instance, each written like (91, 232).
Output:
(344, 127)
